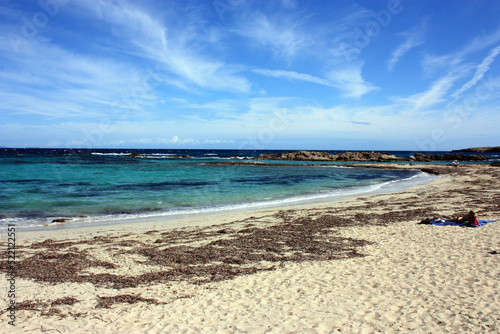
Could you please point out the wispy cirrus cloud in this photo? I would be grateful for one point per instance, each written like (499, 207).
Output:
(481, 69)
(172, 74)
(454, 66)
(58, 83)
(437, 93)
(281, 35)
(292, 75)
(413, 38)
(435, 63)
(178, 49)
(293, 39)
(350, 80)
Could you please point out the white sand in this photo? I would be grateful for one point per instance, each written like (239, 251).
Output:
(416, 278)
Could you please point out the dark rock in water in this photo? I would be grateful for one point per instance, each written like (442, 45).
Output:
(477, 157)
(366, 157)
(422, 157)
(135, 155)
(298, 156)
(179, 157)
(489, 149)
(430, 171)
(268, 156)
(495, 164)
(448, 157)
(325, 156)
(59, 220)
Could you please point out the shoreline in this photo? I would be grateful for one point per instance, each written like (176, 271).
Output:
(310, 200)
(193, 220)
(361, 264)
(60, 222)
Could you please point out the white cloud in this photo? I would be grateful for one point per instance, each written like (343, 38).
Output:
(437, 92)
(218, 141)
(48, 80)
(456, 66)
(481, 69)
(178, 48)
(176, 140)
(98, 81)
(350, 80)
(291, 75)
(284, 39)
(481, 42)
(292, 39)
(414, 38)
(432, 64)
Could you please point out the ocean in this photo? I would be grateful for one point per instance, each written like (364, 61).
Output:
(48, 187)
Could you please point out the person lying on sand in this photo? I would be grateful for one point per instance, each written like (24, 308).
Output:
(469, 220)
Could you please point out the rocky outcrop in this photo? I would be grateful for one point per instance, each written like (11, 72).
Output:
(448, 157)
(325, 156)
(136, 155)
(298, 156)
(490, 149)
(366, 157)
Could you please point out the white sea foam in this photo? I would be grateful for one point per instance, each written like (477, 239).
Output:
(110, 154)
(149, 155)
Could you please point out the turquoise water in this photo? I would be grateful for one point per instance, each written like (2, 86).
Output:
(38, 186)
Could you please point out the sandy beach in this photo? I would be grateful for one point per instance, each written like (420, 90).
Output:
(359, 265)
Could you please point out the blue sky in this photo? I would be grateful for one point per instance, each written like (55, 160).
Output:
(376, 75)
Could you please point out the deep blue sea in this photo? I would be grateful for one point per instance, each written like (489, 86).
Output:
(38, 186)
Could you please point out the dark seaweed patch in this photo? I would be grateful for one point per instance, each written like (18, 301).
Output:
(224, 253)
(106, 302)
(47, 307)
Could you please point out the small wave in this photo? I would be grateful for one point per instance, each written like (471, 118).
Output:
(238, 158)
(23, 222)
(110, 154)
(158, 156)
(163, 154)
